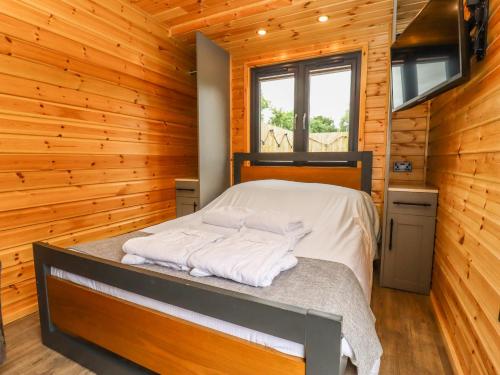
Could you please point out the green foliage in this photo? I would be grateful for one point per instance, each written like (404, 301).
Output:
(282, 119)
(318, 124)
(264, 103)
(322, 124)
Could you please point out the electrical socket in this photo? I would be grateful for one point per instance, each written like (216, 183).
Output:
(402, 166)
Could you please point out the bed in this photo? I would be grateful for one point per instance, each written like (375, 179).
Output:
(114, 318)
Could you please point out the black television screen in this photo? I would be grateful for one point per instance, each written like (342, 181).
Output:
(431, 55)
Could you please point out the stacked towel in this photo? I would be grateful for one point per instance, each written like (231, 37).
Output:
(250, 257)
(227, 216)
(171, 248)
(293, 228)
(274, 221)
(257, 254)
(254, 255)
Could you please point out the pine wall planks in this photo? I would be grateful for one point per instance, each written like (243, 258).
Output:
(409, 143)
(410, 127)
(464, 162)
(97, 117)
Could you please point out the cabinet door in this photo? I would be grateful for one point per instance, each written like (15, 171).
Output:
(186, 206)
(408, 253)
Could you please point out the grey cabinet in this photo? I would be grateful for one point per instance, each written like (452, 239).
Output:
(187, 196)
(409, 240)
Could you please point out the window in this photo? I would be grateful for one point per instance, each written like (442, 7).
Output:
(310, 105)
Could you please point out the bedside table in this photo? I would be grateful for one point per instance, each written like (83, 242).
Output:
(187, 196)
(409, 238)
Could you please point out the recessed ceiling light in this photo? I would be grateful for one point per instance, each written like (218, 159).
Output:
(323, 18)
(262, 32)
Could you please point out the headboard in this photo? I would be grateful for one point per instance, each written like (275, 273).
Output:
(307, 167)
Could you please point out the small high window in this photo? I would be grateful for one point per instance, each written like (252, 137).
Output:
(310, 105)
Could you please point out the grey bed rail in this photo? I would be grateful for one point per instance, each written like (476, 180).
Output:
(326, 159)
(319, 332)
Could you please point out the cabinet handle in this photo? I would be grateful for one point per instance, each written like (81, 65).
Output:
(194, 206)
(390, 234)
(413, 204)
(184, 189)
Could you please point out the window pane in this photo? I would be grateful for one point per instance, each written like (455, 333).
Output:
(329, 105)
(277, 113)
(430, 74)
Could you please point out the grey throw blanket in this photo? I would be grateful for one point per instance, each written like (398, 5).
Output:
(313, 284)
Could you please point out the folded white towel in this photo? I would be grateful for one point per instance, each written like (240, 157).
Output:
(274, 221)
(227, 216)
(250, 257)
(292, 238)
(135, 259)
(287, 262)
(170, 248)
(132, 259)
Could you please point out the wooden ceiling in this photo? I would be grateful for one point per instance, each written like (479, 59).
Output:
(233, 23)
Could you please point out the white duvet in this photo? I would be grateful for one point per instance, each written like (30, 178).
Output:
(344, 221)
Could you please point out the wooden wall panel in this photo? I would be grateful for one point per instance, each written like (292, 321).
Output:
(97, 117)
(409, 143)
(464, 162)
(409, 127)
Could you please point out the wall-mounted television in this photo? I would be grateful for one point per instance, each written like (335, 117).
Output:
(431, 55)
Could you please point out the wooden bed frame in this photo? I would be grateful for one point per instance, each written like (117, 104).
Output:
(112, 336)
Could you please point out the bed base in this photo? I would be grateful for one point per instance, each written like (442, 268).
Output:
(74, 323)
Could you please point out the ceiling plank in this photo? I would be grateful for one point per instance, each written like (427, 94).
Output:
(210, 17)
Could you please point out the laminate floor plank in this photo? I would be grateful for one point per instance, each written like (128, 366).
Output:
(409, 334)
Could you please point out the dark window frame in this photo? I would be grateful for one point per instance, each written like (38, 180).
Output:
(301, 69)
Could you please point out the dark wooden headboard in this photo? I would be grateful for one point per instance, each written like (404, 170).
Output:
(307, 167)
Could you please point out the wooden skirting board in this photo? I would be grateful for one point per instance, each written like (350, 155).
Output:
(445, 334)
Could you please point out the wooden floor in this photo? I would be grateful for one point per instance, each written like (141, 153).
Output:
(410, 338)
